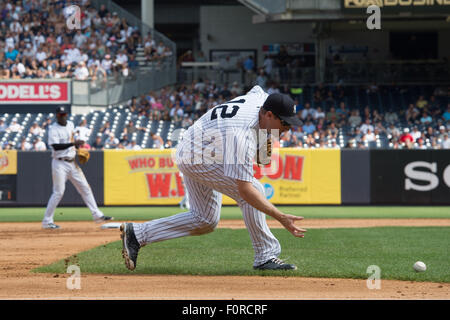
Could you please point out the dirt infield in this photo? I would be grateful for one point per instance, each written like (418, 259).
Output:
(25, 246)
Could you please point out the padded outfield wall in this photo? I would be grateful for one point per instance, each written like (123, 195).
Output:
(297, 177)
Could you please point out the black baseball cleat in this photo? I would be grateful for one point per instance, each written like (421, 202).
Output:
(275, 264)
(103, 219)
(130, 245)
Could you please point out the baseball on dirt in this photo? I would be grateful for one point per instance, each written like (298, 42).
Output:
(419, 266)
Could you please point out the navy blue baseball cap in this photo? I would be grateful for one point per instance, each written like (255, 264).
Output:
(61, 110)
(283, 107)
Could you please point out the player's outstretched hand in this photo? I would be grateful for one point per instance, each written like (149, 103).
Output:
(288, 221)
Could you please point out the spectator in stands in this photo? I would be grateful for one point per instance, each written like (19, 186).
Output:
(332, 115)
(407, 138)
(107, 64)
(124, 141)
(342, 112)
(273, 87)
(268, 65)
(261, 79)
(98, 144)
(442, 132)
(391, 116)
(176, 112)
(369, 136)
(366, 126)
(187, 121)
(309, 127)
(25, 145)
(248, 67)
(133, 145)
(319, 114)
(158, 142)
(445, 142)
(14, 126)
(82, 131)
(355, 119)
(421, 103)
(430, 133)
(366, 113)
(131, 129)
(39, 145)
(307, 111)
(47, 123)
(225, 92)
(133, 64)
(81, 71)
(420, 145)
(11, 54)
(412, 113)
(36, 130)
(426, 118)
(111, 142)
(416, 134)
(3, 125)
(446, 115)
(106, 129)
(376, 116)
(98, 76)
(8, 145)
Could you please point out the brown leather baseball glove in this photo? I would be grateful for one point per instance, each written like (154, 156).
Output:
(83, 156)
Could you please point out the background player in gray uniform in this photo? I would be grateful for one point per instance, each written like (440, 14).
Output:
(216, 156)
(60, 138)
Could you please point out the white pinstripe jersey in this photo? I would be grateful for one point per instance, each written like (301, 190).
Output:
(224, 136)
(58, 134)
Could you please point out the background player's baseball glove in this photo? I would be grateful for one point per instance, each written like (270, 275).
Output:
(263, 158)
(83, 155)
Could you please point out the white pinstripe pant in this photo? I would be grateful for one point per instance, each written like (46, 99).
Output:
(205, 185)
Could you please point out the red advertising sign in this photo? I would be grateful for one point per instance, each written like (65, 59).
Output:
(35, 92)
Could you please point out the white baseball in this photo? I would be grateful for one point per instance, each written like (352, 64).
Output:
(419, 266)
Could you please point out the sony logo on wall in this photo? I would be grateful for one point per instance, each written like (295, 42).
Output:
(422, 176)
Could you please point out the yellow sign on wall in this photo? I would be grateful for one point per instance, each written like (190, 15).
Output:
(141, 177)
(8, 162)
(301, 176)
(295, 176)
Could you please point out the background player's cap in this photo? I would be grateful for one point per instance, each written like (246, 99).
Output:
(283, 107)
(61, 110)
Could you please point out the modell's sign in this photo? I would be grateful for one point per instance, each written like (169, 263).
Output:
(397, 6)
(35, 92)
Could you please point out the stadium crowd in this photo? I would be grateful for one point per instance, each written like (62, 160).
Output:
(423, 125)
(329, 124)
(36, 42)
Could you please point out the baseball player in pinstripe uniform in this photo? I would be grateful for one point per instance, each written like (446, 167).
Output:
(215, 157)
(64, 167)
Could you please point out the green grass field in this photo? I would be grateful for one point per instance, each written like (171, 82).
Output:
(231, 212)
(337, 253)
(342, 253)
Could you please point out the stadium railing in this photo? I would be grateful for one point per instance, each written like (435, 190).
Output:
(120, 89)
(110, 91)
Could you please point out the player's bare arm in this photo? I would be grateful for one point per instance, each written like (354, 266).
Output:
(259, 202)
